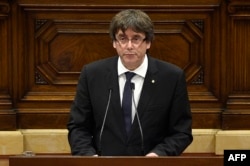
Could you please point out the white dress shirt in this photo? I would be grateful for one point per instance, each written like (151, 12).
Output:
(138, 80)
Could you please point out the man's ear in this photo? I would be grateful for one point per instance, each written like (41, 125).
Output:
(114, 44)
(148, 45)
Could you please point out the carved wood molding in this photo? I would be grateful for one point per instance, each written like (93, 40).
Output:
(236, 114)
(114, 6)
(56, 38)
(4, 8)
(7, 115)
(199, 79)
(237, 6)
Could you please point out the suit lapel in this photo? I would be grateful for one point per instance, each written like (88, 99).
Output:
(149, 85)
(147, 90)
(114, 84)
(115, 105)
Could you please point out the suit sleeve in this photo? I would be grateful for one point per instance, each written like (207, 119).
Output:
(179, 133)
(81, 122)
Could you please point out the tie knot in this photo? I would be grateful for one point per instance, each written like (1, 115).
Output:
(129, 75)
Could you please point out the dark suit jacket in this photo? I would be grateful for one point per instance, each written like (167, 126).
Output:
(163, 110)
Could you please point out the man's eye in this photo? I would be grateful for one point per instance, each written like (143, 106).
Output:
(122, 38)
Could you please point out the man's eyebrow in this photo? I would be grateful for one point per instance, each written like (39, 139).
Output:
(121, 35)
(137, 35)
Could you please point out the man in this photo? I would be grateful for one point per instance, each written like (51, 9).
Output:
(102, 120)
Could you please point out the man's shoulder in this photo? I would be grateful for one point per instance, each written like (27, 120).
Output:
(103, 62)
(165, 65)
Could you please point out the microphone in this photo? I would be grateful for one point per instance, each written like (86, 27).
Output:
(103, 123)
(138, 119)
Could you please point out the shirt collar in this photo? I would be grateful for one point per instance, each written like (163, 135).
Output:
(141, 70)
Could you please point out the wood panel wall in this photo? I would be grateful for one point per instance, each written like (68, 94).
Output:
(44, 44)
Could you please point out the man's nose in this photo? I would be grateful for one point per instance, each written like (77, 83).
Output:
(130, 44)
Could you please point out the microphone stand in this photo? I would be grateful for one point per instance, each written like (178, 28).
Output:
(138, 119)
(103, 123)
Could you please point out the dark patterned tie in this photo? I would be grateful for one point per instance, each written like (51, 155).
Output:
(127, 101)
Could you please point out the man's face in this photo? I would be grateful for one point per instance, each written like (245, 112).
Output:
(131, 47)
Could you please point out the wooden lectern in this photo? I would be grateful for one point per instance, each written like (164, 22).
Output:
(115, 161)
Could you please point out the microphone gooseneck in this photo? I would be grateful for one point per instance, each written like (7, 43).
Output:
(103, 123)
(138, 119)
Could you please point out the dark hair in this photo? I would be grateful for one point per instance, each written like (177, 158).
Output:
(137, 20)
